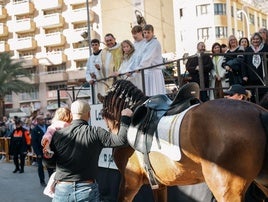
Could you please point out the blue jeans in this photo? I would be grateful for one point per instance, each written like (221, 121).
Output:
(76, 192)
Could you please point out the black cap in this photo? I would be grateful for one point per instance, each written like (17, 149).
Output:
(18, 121)
(236, 88)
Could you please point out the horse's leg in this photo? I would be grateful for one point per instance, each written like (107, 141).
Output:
(128, 189)
(225, 186)
(160, 195)
(132, 174)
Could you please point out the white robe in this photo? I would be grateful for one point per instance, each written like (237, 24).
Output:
(99, 87)
(129, 65)
(153, 78)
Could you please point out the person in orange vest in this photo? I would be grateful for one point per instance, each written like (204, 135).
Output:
(20, 142)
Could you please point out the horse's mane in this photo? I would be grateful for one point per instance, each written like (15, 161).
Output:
(123, 94)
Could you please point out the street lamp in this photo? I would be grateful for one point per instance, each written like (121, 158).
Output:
(247, 20)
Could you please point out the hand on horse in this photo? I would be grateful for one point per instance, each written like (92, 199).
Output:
(127, 112)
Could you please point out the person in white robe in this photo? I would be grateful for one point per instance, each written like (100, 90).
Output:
(152, 55)
(139, 43)
(93, 70)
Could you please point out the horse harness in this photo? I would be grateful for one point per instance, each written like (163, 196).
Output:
(147, 116)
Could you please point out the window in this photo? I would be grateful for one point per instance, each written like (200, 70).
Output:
(220, 9)
(81, 64)
(232, 11)
(56, 69)
(264, 23)
(221, 32)
(56, 86)
(203, 33)
(251, 19)
(202, 9)
(181, 12)
(239, 15)
(32, 94)
(240, 34)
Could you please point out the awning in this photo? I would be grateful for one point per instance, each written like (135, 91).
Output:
(54, 105)
(18, 114)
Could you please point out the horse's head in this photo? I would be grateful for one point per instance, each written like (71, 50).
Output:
(123, 94)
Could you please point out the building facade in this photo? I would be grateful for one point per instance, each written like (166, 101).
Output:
(214, 20)
(47, 37)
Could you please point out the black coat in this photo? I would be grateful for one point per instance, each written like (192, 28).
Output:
(18, 145)
(37, 135)
(194, 74)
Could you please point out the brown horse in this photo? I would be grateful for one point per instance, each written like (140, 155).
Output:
(223, 143)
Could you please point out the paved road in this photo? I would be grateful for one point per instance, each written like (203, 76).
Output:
(20, 187)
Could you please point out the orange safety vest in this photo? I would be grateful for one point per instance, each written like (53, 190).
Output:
(19, 133)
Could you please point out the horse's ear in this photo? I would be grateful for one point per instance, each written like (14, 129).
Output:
(100, 97)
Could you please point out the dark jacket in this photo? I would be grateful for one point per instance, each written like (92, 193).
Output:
(20, 141)
(251, 70)
(236, 62)
(194, 74)
(37, 135)
(78, 146)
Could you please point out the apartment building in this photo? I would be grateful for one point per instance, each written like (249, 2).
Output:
(47, 36)
(214, 20)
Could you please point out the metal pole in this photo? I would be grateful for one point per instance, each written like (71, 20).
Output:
(201, 71)
(88, 28)
(179, 73)
(90, 51)
(58, 97)
(265, 69)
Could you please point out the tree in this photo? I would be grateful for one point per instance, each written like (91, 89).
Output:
(11, 72)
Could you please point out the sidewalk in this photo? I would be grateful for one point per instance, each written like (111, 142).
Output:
(21, 187)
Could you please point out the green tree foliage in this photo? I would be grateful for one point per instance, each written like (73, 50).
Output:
(11, 73)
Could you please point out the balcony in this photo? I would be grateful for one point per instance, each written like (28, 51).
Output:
(48, 4)
(54, 39)
(74, 36)
(23, 44)
(76, 74)
(3, 13)
(50, 21)
(74, 2)
(26, 97)
(24, 26)
(80, 15)
(21, 8)
(56, 57)
(80, 54)
(52, 94)
(3, 30)
(4, 46)
(53, 76)
(28, 61)
(34, 79)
